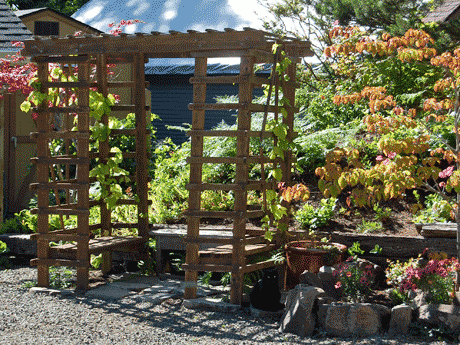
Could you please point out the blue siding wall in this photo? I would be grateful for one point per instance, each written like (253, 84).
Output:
(171, 95)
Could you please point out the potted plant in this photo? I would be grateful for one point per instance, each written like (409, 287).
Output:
(310, 255)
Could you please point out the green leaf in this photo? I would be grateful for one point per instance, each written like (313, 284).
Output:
(278, 152)
(268, 235)
(278, 174)
(110, 100)
(271, 195)
(377, 249)
(280, 131)
(3, 247)
(25, 106)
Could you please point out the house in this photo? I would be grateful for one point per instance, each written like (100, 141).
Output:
(48, 22)
(11, 30)
(447, 11)
(170, 89)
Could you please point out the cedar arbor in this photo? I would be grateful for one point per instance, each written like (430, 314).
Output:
(90, 55)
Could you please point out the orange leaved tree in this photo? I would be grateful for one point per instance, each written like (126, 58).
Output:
(418, 142)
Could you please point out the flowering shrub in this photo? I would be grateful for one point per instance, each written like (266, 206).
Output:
(436, 279)
(355, 280)
(396, 271)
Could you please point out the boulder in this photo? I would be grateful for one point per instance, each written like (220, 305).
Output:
(326, 273)
(352, 319)
(401, 316)
(298, 317)
(435, 314)
(418, 298)
(324, 280)
(311, 279)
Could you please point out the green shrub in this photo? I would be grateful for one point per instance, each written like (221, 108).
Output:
(436, 210)
(310, 217)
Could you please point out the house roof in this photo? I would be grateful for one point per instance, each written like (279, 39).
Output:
(26, 13)
(444, 12)
(167, 15)
(11, 29)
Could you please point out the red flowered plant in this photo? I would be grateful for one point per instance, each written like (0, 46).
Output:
(436, 279)
(355, 279)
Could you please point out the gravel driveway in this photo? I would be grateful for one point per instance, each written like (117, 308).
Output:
(37, 319)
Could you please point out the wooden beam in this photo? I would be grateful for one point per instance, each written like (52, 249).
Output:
(165, 46)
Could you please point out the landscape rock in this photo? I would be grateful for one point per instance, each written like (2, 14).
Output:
(435, 314)
(326, 273)
(49, 291)
(311, 279)
(352, 319)
(418, 299)
(323, 280)
(210, 304)
(262, 313)
(108, 292)
(20, 244)
(378, 273)
(299, 317)
(401, 316)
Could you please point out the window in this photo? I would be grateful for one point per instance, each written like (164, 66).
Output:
(46, 29)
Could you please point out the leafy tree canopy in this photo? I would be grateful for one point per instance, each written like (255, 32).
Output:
(394, 16)
(67, 7)
(314, 18)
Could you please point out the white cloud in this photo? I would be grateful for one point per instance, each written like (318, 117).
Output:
(91, 13)
(141, 9)
(169, 15)
(130, 29)
(148, 28)
(163, 28)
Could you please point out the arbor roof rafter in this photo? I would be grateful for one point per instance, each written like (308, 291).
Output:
(172, 45)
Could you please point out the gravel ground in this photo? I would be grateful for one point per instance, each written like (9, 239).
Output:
(37, 319)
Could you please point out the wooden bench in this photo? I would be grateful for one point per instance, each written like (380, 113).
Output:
(171, 237)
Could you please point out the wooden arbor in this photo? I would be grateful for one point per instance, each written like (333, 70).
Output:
(252, 46)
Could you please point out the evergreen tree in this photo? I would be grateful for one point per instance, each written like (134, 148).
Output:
(67, 7)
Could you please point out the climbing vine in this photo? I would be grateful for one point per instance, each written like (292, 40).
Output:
(109, 174)
(276, 203)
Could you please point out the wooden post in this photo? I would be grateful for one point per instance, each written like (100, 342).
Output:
(9, 106)
(141, 145)
(42, 177)
(106, 229)
(83, 255)
(241, 178)
(289, 93)
(194, 201)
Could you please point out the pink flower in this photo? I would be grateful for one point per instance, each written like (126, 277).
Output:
(446, 172)
(379, 158)
(392, 155)
(348, 274)
(363, 280)
(442, 184)
(338, 285)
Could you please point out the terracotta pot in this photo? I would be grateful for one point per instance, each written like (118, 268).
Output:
(303, 256)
